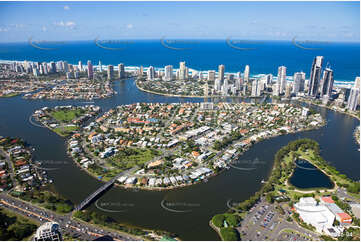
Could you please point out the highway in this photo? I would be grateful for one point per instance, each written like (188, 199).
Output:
(69, 226)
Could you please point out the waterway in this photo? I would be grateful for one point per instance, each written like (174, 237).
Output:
(306, 176)
(198, 202)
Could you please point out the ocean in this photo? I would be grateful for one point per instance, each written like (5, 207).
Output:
(263, 56)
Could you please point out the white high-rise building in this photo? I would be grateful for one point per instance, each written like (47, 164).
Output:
(150, 73)
(217, 85)
(225, 86)
(256, 88)
(121, 71)
(90, 70)
(298, 82)
(183, 71)
(246, 74)
(200, 76)
(354, 98)
(80, 66)
(357, 82)
(281, 78)
(276, 89)
(168, 73)
(110, 72)
(237, 84)
(100, 66)
(221, 72)
(211, 75)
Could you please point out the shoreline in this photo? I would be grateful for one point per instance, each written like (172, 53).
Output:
(189, 96)
(146, 188)
(288, 185)
(313, 189)
(230, 96)
(330, 108)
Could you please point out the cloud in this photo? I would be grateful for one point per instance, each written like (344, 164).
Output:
(67, 24)
(4, 29)
(130, 26)
(17, 26)
(44, 29)
(66, 7)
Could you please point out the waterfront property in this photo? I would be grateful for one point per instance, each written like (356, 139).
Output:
(164, 146)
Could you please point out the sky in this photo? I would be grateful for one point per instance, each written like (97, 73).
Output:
(45, 21)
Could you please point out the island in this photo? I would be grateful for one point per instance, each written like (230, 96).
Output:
(160, 146)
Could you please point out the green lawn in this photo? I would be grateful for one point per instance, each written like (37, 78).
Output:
(64, 131)
(66, 115)
(130, 157)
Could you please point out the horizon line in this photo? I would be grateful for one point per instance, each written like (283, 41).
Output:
(186, 38)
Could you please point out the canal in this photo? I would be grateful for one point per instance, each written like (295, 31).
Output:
(198, 202)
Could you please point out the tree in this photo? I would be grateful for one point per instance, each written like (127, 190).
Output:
(269, 198)
(217, 220)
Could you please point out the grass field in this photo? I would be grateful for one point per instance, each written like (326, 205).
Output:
(130, 157)
(64, 131)
(66, 115)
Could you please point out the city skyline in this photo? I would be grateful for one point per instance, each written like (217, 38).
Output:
(326, 21)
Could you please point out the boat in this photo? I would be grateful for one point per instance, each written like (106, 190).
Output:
(263, 181)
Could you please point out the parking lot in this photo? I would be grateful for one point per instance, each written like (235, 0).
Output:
(265, 222)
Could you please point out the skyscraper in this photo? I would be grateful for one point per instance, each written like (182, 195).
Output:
(80, 66)
(121, 71)
(357, 82)
(326, 83)
(206, 91)
(281, 78)
(256, 88)
(90, 70)
(246, 74)
(354, 98)
(217, 85)
(110, 72)
(298, 82)
(315, 76)
(52, 67)
(141, 71)
(100, 66)
(276, 89)
(168, 73)
(150, 73)
(211, 75)
(221, 72)
(183, 73)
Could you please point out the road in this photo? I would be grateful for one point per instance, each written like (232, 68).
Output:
(68, 225)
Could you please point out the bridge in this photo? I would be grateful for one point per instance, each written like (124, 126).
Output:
(101, 189)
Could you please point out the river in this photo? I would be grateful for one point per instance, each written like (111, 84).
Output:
(201, 201)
